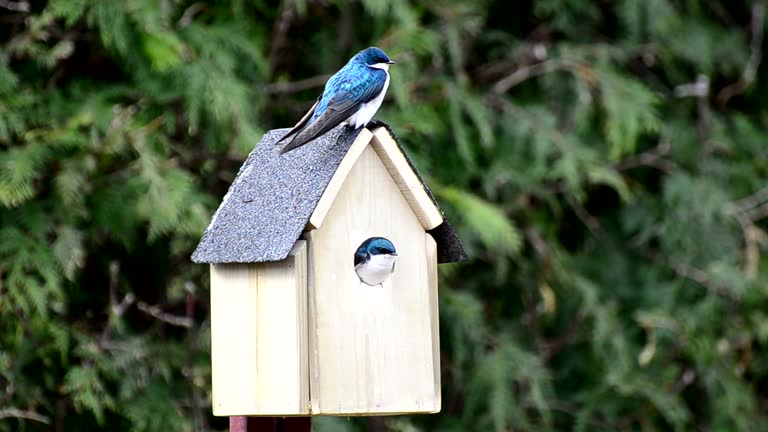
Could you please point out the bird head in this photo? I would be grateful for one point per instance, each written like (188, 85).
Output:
(374, 57)
(379, 246)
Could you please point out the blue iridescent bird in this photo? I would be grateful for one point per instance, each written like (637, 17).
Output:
(351, 96)
(375, 260)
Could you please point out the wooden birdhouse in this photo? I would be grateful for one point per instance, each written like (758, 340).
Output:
(294, 328)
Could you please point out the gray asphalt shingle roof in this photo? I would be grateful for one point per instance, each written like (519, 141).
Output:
(273, 196)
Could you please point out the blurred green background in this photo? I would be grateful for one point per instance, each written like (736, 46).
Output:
(605, 162)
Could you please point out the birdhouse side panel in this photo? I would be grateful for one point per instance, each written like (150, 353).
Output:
(434, 314)
(259, 337)
(373, 348)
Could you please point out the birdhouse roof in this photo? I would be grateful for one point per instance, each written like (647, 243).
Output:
(275, 197)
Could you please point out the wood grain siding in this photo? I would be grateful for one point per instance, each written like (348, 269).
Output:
(397, 167)
(259, 337)
(372, 348)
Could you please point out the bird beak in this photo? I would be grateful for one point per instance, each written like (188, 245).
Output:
(394, 254)
(391, 62)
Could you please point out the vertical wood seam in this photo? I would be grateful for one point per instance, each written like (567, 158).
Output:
(314, 364)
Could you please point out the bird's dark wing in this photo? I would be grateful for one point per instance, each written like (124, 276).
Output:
(332, 117)
(340, 107)
(360, 257)
(301, 123)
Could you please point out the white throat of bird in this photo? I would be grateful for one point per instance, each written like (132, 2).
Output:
(382, 66)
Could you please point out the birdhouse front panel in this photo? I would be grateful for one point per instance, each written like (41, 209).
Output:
(373, 342)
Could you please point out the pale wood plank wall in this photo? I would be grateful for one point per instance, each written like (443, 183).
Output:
(259, 337)
(372, 349)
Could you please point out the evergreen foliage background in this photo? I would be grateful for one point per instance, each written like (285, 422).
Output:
(604, 161)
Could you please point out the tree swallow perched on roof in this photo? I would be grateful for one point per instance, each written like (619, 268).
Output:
(375, 260)
(351, 96)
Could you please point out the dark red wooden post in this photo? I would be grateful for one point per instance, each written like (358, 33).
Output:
(270, 424)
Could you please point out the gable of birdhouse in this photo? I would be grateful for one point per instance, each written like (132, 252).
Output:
(375, 161)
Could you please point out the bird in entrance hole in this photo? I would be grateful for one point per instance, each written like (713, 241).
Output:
(375, 260)
(351, 96)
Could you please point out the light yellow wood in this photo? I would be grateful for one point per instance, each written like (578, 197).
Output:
(259, 337)
(434, 315)
(373, 350)
(321, 209)
(408, 182)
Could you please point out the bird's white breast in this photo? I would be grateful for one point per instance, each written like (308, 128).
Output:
(368, 110)
(376, 269)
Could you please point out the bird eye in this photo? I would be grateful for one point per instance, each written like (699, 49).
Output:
(379, 59)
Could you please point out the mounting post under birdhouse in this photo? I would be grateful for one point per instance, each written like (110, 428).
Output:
(270, 424)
